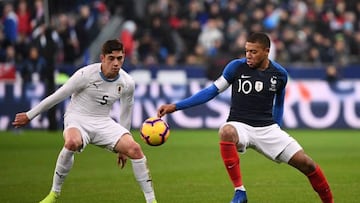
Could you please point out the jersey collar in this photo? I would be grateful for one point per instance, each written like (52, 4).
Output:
(107, 79)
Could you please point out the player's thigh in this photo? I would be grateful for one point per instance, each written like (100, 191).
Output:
(107, 133)
(128, 146)
(292, 150)
(75, 131)
(73, 138)
(242, 131)
(272, 141)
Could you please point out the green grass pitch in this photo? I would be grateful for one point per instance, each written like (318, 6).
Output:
(186, 169)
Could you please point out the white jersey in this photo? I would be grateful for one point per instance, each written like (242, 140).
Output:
(93, 95)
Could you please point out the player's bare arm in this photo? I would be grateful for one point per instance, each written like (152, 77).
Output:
(21, 119)
(166, 109)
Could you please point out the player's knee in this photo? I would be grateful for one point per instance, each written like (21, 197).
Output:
(72, 144)
(309, 166)
(134, 151)
(73, 139)
(303, 162)
(228, 133)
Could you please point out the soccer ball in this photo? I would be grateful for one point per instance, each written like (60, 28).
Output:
(154, 131)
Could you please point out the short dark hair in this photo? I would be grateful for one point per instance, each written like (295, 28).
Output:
(112, 45)
(261, 38)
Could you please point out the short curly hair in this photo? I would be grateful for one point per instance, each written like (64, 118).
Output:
(261, 38)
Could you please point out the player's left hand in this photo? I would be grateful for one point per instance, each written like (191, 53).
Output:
(121, 160)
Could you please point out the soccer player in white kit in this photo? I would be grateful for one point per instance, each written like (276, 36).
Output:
(93, 90)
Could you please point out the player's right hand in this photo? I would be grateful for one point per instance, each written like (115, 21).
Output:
(20, 120)
(121, 160)
(165, 109)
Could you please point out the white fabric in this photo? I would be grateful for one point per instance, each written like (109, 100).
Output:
(289, 152)
(93, 96)
(64, 163)
(270, 141)
(143, 177)
(221, 83)
(100, 131)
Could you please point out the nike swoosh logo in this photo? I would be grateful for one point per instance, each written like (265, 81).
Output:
(60, 176)
(231, 166)
(245, 76)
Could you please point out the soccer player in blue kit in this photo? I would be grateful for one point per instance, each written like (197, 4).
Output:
(258, 91)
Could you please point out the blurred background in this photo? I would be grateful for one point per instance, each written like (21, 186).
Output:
(174, 48)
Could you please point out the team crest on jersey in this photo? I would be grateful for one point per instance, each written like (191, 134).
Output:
(259, 86)
(273, 82)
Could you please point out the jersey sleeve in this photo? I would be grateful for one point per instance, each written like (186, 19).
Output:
(205, 95)
(201, 97)
(75, 82)
(231, 68)
(126, 105)
(278, 109)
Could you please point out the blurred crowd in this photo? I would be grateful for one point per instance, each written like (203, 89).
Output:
(40, 37)
(44, 37)
(305, 32)
(169, 32)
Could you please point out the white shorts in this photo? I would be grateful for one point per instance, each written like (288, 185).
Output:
(100, 131)
(270, 141)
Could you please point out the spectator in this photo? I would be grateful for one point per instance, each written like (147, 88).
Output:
(33, 68)
(69, 43)
(48, 43)
(9, 55)
(195, 11)
(196, 57)
(209, 36)
(24, 16)
(331, 74)
(216, 62)
(22, 47)
(341, 51)
(10, 21)
(127, 38)
(38, 15)
(161, 33)
(314, 57)
(231, 11)
(86, 27)
(146, 47)
(189, 32)
(298, 46)
(237, 47)
(3, 44)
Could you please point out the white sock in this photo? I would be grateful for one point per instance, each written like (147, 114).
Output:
(64, 163)
(143, 177)
(240, 188)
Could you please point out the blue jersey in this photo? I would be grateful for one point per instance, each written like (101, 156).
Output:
(257, 96)
(255, 92)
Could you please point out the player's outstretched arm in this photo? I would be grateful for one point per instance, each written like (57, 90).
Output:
(21, 119)
(166, 109)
